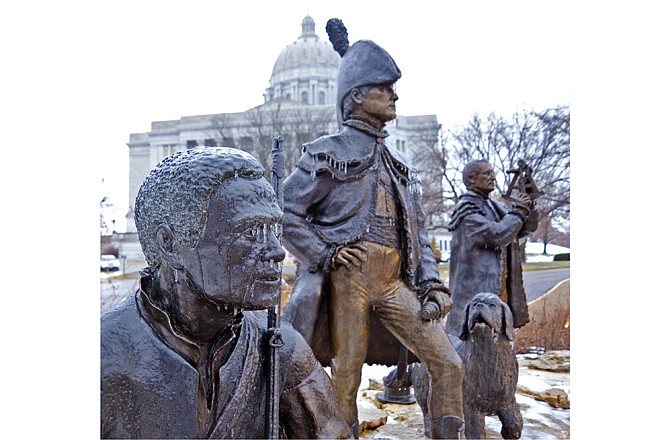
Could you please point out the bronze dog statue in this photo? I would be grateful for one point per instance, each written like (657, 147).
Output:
(491, 369)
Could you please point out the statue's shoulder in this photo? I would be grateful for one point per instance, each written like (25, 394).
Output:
(468, 200)
(122, 332)
(321, 149)
(342, 155)
(119, 317)
(467, 205)
(328, 144)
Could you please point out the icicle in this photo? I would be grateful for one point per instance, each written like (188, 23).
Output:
(313, 174)
(345, 167)
(218, 308)
(276, 229)
(265, 233)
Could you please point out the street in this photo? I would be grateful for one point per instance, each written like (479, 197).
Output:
(539, 282)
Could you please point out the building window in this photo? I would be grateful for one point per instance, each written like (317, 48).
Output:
(210, 143)
(228, 142)
(288, 96)
(444, 245)
(191, 144)
(304, 97)
(322, 98)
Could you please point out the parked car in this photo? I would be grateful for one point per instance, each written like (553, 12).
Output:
(109, 263)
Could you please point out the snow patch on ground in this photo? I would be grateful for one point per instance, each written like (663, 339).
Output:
(534, 252)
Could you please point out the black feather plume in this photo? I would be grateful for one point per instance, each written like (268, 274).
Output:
(338, 36)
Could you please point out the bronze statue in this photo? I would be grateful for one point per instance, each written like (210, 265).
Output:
(184, 357)
(355, 221)
(491, 369)
(485, 254)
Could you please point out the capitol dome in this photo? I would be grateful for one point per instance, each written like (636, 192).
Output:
(305, 71)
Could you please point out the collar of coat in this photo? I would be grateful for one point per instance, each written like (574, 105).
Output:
(365, 126)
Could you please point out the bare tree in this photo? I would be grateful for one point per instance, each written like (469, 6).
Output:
(428, 156)
(221, 130)
(264, 123)
(548, 150)
(302, 125)
(542, 139)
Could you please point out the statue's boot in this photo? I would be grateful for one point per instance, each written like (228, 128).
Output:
(448, 427)
(355, 429)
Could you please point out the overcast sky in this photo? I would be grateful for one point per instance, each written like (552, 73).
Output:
(166, 60)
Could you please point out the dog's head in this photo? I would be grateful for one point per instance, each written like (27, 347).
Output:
(488, 310)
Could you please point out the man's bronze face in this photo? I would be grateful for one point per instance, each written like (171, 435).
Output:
(238, 259)
(379, 103)
(485, 181)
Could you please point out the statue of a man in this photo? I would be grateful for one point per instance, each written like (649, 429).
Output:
(182, 358)
(355, 222)
(485, 254)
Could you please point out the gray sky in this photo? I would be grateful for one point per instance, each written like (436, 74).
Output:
(163, 61)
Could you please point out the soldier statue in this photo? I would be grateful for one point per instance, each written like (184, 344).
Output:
(354, 220)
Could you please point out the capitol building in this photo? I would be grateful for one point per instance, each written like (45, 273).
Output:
(299, 105)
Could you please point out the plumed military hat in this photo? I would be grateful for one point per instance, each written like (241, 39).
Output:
(363, 63)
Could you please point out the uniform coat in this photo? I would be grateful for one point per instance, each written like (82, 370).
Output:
(329, 201)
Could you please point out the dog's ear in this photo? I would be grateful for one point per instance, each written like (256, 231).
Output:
(508, 321)
(465, 329)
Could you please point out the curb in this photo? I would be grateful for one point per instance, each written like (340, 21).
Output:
(549, 291)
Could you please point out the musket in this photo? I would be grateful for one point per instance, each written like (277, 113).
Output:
(527, 185)
(273, 334)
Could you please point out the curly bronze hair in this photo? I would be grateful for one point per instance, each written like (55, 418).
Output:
(177, 193)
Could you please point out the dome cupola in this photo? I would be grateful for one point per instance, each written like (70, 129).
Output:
(306, 70)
